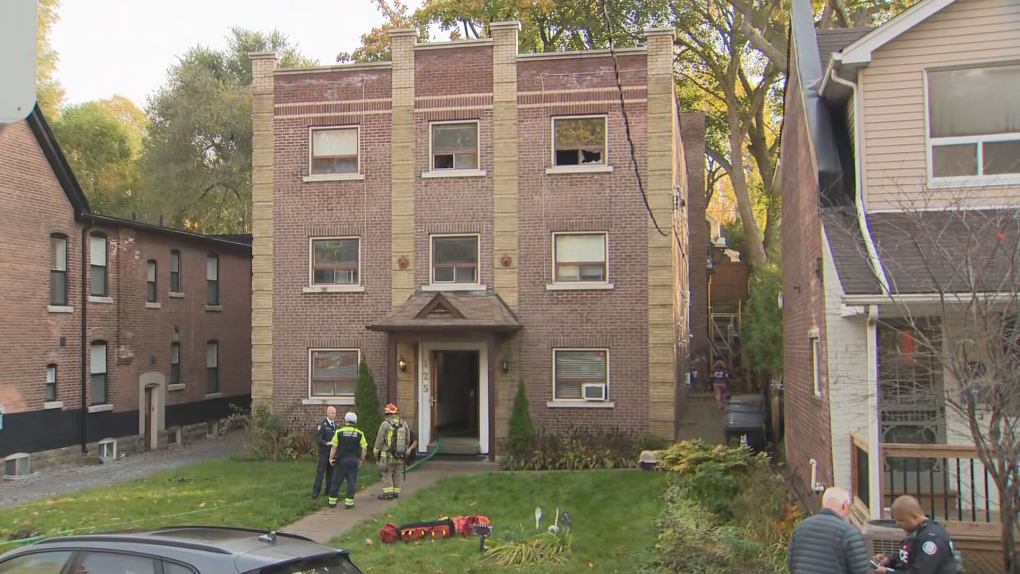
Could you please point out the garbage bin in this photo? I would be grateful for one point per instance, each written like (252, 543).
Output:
(745, 427)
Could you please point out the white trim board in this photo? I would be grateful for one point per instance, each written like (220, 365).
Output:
(424, 419)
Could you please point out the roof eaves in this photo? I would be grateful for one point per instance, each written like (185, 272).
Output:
(169, 231)
(58, 163)
(860, 51)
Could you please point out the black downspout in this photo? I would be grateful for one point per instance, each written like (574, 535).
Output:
(84, 337)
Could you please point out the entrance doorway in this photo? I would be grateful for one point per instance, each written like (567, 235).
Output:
(149, 418)
(453, 400)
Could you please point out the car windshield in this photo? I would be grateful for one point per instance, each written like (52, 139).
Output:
(336, 564)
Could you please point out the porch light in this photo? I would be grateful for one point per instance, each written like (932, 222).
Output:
(402, 364)
(504, 366)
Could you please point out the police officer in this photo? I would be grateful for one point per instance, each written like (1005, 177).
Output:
(927, 548)
(323, 434)
(348, 451)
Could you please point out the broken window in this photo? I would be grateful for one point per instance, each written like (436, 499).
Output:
(579, 141)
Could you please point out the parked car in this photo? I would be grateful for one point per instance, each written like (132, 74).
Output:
(179, 550)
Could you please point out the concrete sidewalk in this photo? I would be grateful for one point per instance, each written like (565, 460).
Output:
(328, 523)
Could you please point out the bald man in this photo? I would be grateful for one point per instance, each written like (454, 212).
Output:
(323, 434)
(927, 548)
(827, 543)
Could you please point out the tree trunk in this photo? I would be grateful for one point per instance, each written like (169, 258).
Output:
(1008, 507)
(755, 248)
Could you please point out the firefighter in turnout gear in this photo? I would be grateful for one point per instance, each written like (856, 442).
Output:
(323, 434)
(347, 455)
(927, 548)
(392, 445)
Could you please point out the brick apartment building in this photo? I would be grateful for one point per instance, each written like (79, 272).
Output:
(465, 217)
(153, 347)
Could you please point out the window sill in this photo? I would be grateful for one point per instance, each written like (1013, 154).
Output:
(59, 309)
(100, 408)
(103, 300)
(580, 404)
(176, 295)
(333, 289)
(449, 287)
(559, 169)
(214, 308)
(213, 395)
(580, 286)
(52, 405)
(177, 387)
(334, 177)
(453, 173)
(151, 305)
(973, 181)
(344, 401)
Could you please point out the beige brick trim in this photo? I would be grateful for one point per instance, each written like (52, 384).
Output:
(402, 166)
(505, 154)
(263, 65)
(589, 107)
(344, 116)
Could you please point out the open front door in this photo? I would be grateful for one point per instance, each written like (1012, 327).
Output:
(436, 365)
(148, 414)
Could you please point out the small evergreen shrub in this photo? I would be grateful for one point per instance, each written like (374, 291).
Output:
(366, 404)
(522, 431)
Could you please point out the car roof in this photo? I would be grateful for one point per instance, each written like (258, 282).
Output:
(248, 548)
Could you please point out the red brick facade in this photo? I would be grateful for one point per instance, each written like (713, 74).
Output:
(138, 333)
(807, 430)
(457, 83)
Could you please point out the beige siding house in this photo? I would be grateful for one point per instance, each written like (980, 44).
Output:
(905, 140)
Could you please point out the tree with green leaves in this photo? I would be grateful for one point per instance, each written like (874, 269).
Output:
(366, 403)
(49, 93)
(761, 329)
(198, 148)
(102, 141)
(521, 430)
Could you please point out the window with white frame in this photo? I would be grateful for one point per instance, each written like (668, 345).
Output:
(212, 367)
(579, 140)
(974, 123)
(97, 266)
(333, 372)
(175, 363)
(175, 271)
(579, 372)
(51, 382)
(455, 259)
(334, 151)
(580, 257)
(150, 281)
(212, 280)
(454, 145)
(58, 269)
(98, 378)
(335, 261)
(816, 373)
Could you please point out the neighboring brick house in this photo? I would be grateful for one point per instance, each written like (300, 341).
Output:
(464, 217)
(157, 340)
(898, 142)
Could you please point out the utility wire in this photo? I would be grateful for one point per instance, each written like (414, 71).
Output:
(626, 118)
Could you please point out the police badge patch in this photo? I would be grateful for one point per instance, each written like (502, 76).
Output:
(319, 427)
(929, 548)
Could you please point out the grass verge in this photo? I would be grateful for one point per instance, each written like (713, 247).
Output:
(225, 491)
(613, 512)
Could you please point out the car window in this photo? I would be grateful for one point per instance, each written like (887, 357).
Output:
(172, 568)
(111, 563)
(37, 563)
(336, 564)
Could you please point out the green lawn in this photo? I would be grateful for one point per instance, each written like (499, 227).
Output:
(225, 491)
(613, 511)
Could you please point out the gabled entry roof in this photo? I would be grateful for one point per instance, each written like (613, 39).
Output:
(471, 311)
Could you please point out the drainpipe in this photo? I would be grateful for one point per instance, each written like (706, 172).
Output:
(84, 336)
(862, 220)
(874, 419)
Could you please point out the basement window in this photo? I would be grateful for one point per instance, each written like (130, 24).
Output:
(18, 466)
(107, 449)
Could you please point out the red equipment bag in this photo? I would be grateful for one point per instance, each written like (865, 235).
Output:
(388, 533)
(465, 525)
(431, 529)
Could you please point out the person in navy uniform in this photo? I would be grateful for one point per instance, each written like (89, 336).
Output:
(927, 548)
(323, 434)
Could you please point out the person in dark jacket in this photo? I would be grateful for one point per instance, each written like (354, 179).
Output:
(826, 543)
(323, 434)
(347, 451)
(927, 548)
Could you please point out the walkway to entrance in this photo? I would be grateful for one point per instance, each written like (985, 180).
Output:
(700, 419)
(328, 523)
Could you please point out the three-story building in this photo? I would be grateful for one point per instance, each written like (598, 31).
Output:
(464, 217)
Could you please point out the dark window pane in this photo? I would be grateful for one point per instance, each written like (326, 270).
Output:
(465, 275)
(58, 288)
(213, 293)
(98, 386)
(97, 287)
(958, 160)
(325, 166)
(455, 138)
(447, 250)
(443, 275)
(110, 563)
(322, 565)
(36, 563)
(1002, 158)
(443, 161)
(151, 291)
(212, 380)
(175, 374)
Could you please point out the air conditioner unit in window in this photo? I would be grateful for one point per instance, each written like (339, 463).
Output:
(593, 391)
(18, 466)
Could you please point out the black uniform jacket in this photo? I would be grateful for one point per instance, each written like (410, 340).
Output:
(324, 433)
(927, 550)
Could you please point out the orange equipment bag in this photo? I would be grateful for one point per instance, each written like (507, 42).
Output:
(431, 529)
(465, 525)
